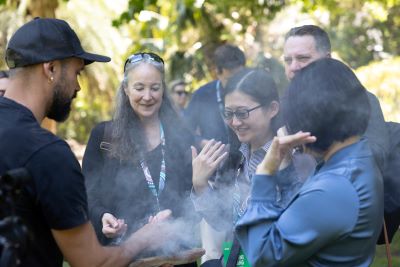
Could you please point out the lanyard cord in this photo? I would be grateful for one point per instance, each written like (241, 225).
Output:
(239, 206)
(219, 98)
(147, 174)
(221, 107)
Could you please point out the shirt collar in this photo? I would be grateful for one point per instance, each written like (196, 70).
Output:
(245, 148)
(357, 149)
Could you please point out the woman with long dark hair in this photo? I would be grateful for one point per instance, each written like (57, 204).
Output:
(138, 163)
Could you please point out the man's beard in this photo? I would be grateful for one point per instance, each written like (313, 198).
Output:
(61, 106)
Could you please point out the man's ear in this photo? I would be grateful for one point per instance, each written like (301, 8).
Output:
(49, 70)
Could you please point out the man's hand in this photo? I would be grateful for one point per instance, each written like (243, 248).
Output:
(280, 148)
(160, 216)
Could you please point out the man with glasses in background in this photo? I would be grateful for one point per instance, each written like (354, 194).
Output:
(179, 95)
(308, 43)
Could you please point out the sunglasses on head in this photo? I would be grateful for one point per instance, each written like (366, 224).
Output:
(141, 56)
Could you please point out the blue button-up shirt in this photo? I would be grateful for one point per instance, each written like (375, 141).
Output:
(334, 219)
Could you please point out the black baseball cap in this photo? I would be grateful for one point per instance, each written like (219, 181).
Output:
(43, 40)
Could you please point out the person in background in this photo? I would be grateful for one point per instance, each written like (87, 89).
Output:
(45, 58)
(3, 81)
(138, 163)
(204, 117)
(179, 95)
(336, 217)
(251, 109)
(307, 43)
(204, 112)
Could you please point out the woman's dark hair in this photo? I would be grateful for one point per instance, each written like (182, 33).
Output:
(321, 38)
(326, 99)
(259, 85)
(229, 57)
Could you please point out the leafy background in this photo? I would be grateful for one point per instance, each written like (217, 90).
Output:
(364, 34)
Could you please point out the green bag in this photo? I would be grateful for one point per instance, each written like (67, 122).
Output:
(242, 260)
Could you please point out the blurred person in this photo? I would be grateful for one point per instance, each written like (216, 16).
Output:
(204, 112)
(336, 217)
(4, 80)
(179, 95)
(307, 43)
(45, 58)
(204, 116)
(251, 109)
(138, 163)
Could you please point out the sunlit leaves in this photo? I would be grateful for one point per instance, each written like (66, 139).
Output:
(382, 78)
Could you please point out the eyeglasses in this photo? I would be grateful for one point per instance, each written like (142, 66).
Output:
(141, 56)
(180, 93)
(240, 114)
(300, 58)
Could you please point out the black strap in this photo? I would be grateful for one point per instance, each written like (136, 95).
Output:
(105, 144)
(234, 255)
(212, 263)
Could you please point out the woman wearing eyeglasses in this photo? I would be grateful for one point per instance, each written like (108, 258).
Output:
(138, 163)
(336, 217)
(251, 110)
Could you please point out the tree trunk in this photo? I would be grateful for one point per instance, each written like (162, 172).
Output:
(44, 9)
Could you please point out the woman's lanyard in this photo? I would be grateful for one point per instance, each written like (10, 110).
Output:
(147, 175)
(219, 97)
(239, 205)
(221, 106)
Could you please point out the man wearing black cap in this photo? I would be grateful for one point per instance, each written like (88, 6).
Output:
(45, 58)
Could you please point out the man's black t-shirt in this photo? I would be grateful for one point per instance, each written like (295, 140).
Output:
(55, 196)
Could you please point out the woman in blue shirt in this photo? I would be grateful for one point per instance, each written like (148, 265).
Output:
(336, 217)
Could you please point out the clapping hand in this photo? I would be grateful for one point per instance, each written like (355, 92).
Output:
(206, 162)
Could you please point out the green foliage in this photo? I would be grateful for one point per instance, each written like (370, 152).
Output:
(380, 254)
(186, 32)
(381, 78)
(89, 108)
(207, 24)
(370, 32)
(94, 102)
